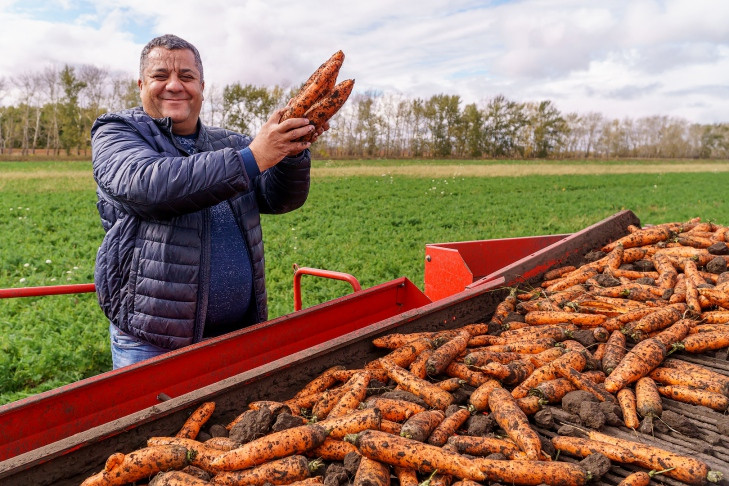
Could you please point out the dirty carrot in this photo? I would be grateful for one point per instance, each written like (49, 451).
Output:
(390, 427)
(705, 341)
(443, 355)
(715, 297)
(407, 453)
(352, 422)
(642, 237)
(406, 354)
(695, 396)
(473, 377)
(393, 409)
(315, 87)
(327, 401)
(431, 394)
(417, 367)
(532, 473)
(582, 383)
(683, 468)
(667, 273)
(406, 476)
(196, 420)
(557, 317)
(581, 275)
(482, 357)
(279, 471)
(328, 105)
(548, 372)
(553, 390)
(638, 478)
(371, 473)
(626, 399)
(450, 384)
(637, 363)
(396, 340)
(514, 422)
(668, 376)
(504, 308)
(421, 425)
(353, 396)
(448, 427)
(618, 322)
(121, 469)
(331, 450)
(275, 445)
(479, 399)
(222, 443)
(320, 383)
(715, 317)
(530, 346)
(202, 454)
(579, 447)
(177, 478)
(509, 373)
(483, 446)
(647, 399)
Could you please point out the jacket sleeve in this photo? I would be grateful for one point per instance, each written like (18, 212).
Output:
(140, 171)
(285, 186)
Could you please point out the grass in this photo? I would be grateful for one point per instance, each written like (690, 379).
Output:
(373, 227)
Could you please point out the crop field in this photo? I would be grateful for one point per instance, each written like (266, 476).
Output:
(371, 219)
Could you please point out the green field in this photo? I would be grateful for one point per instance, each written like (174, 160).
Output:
(373, 224)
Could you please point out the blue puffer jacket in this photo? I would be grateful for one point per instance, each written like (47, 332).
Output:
(152, 268)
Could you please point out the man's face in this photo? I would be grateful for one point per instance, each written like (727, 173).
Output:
(171, 87)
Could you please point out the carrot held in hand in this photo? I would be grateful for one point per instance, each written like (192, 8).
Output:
(318, 84)
(275, 445)
(328, 105)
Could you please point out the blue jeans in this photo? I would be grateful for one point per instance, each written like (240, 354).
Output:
(127, 350)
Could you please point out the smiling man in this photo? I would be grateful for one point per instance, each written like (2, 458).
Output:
(180, 202)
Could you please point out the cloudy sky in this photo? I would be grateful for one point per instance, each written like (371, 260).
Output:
(622, 58)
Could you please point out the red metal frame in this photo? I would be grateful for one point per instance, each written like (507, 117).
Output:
(451, 267)
(318, 272)
(46, 290)
(42, 419)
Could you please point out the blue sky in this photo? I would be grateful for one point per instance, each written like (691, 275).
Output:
(621, 58)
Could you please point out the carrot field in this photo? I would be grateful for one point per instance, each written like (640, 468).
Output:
(371, 219)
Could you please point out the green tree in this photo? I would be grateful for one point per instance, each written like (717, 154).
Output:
(473, 120)
(549, 128)
(70, 112)
(443, 116)
(246, 108)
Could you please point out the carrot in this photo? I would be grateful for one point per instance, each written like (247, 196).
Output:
(448, 427)
(504, 308)
(273, 406)
(638, 478)
(297, 405)
(642, 237)
(419, 426)
(579, 447)
(371, 473)
(631, 291)
(482, 357)
(558, 332)
(548, 372)
(704, 341)
(177, 478)
(683, 468)
(668, 376)
(530, 404)
(320, 383)
(442, 356)
(121, 469)
(581, 275)
(614, 351)
(618, 322)
(352, 422)
(675, 333)
(196, 420)
(632, 274)
(553, 391)
(637, 363)
(543, 357)
(353, 396)
(556, 317)
(626, 399)
(201, 455)
(331, 450)
(531, 473)
(483, 446)
(319, 83)
(396, 340)
(667, 273)
(509, 373)
(532, 346)
(715, 317)
(709, 328)
(406, 476)
(431, 394)
(692, 299)
(647, 399)
(390, 427)
(695, 396)
(466, 482)
(450, 384)
(558, 272)
(280, 471)
(473, 377)
(476, 329)
(327, 401)
(407, 453)
(514, 421)
(222, 443)
(478, 401)
(656, 321)
(275, 445)
(582, 383)
(406, 354)
(715, 297)
(392, 409)
(325, 108)
(417, 367)
(554, 301)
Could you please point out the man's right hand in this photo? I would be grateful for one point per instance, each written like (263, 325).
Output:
(277, 140)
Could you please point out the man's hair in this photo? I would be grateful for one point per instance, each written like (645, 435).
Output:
(170, 42)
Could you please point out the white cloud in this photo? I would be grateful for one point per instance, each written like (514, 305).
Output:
(621, 58)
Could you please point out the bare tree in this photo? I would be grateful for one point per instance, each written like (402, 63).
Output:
(52, 88)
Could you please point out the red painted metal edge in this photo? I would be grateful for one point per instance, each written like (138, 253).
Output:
(451, 267)
(56, 414)
(318, 272)
(46, 290)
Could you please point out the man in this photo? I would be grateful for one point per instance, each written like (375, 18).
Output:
(182, 258)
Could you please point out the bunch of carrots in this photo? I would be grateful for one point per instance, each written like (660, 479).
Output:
(524, 357)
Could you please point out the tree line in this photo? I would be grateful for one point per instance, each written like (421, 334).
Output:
(55, 107)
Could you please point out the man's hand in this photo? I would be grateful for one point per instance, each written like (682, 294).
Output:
(277, 140)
